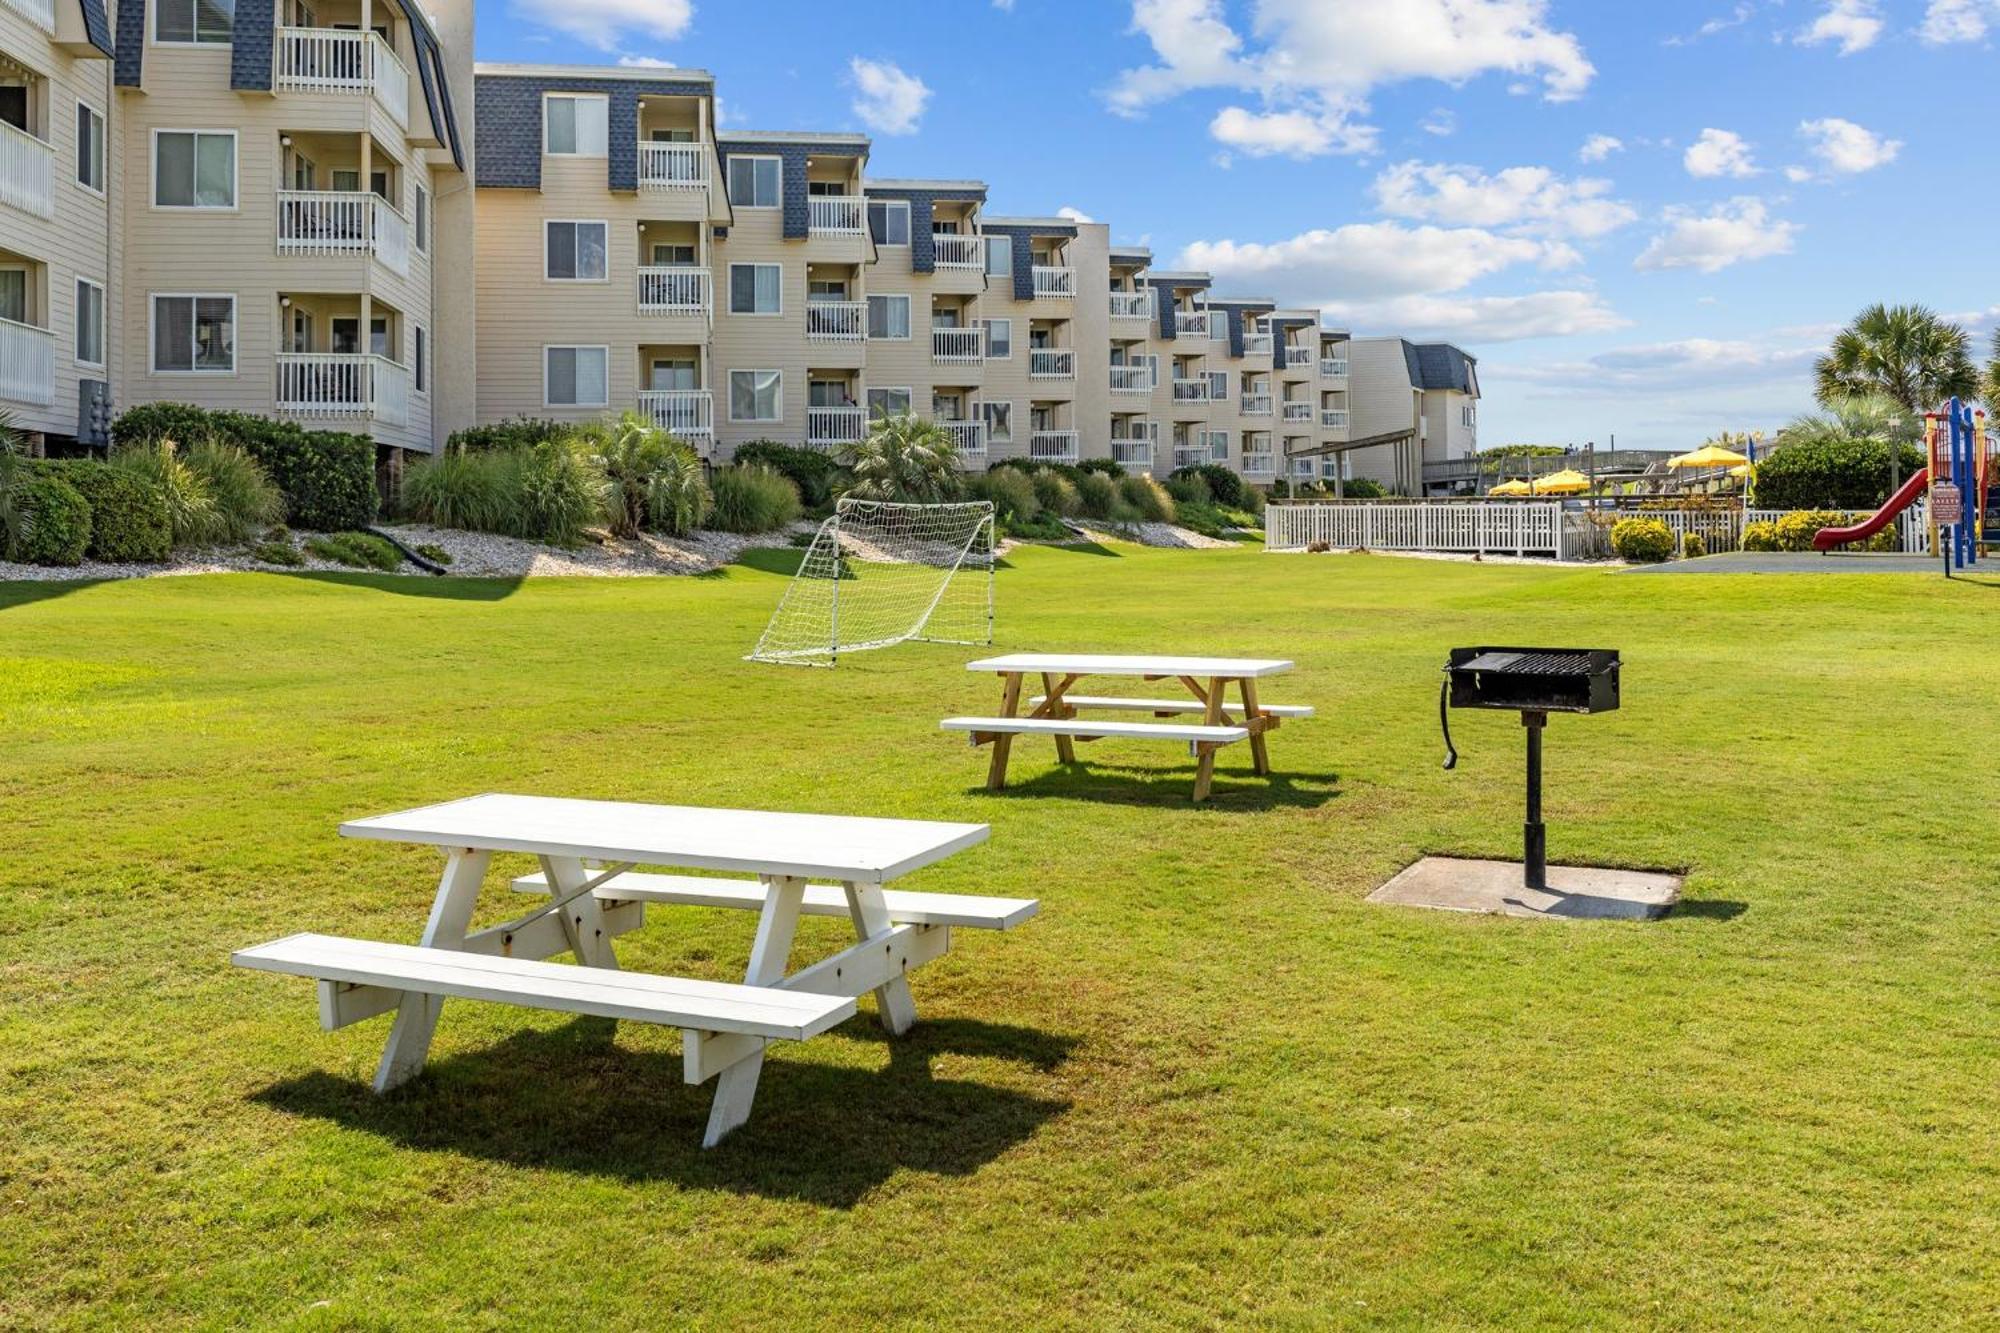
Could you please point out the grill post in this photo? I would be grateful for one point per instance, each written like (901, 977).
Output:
(1534, 837)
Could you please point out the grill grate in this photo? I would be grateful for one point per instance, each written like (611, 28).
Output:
(1532, 664)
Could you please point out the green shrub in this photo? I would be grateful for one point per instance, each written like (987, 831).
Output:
(1110, 467)
(128, 517)
(1252, 504)
(473, 492)
(1147, 499)
(513, 433)
(1645, 541)
(1830, 474)
(1224, 486)
(1760, 536)
(814, 471)
(1363, 488)
(1055, 494)
(326, 477)
(357, 550)
(678, 499)
(629, 451)
(244, 499)
(1188, 488)
(1096, 495)
(753, 499)
(192, 517)
(560, 492)
(1888, 541)
(1693, 547)
(150, 423)
(432, 552)
(55, 521)
(1011, 494)
(1795, 530)
(277, 551)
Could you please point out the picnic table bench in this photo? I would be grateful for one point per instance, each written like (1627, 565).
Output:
(588, 851)
(1054, 712)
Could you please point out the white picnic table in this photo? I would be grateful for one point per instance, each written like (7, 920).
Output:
(1055, 711)
(588, 851)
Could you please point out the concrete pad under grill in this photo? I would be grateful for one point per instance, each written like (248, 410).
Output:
(1459, 884)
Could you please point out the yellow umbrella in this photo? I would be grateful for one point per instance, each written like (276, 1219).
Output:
(1511, 488)
(1743, 470)
(1567, 482)
(1709, 455)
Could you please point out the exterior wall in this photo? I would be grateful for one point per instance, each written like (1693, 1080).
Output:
(911, 270)
(454, 279)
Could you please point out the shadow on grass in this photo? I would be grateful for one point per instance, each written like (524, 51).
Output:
(783, 560)
(1152, 785)
(570, 1099)
(1086, 548)
(451, 588)
(26, 592)
(1706, 909)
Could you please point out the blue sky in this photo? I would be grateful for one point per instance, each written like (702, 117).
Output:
(1644, 219)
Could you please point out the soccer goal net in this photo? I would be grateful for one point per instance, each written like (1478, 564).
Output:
(879, 574)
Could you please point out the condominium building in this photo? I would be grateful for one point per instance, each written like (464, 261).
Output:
(298, 218)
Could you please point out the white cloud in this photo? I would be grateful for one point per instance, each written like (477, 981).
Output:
(1719, 153)
(1854, 24)
(1598, 147)
(1846, 149)
(1074, 214)
(1689, 363)
(1007, 5)
(1729, 233)
(1442, 122)
(1315, 64)
(1367, 261)
(602, 23)
(644, 62)
(887, 100)
(1735, 18)
(1481, 319)
(1528, 199)
(1948, 21)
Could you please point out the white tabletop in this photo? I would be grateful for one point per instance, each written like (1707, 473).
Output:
(839, 847)
(1101, 664)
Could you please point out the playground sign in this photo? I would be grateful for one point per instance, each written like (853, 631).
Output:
(1947, 504)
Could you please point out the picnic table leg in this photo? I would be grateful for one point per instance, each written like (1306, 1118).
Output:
(1010, 706)
(871, 918)
(736, 1086)
(1052, 692)
(583, 920)
(416, 1017)
(1259, 754)
(1204, 772)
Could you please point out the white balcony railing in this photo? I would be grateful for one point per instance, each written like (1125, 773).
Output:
(1298, 412)
(1053, 446)
(1052, 363)
(1191, 391)
(1256, 404)
(835, 214)
(1132, 451)
(342, 222)
(41, 13)
(959, 346)
(1131, 305)
(967, 437)
(27, 363)
(1296, 357)
(340, 60)
(673, 290)
(1333, 367)
(1190, 455)
(828, 427)
(836, 321)
(27, 172)
(673, 166)
(687, 413)
(1131, 379)
(1260, 465)
(951, 250)
(1055, 280)
(1257, 344)
(391, 81)
(343, 384)
(1335, 417)
(1190, 323)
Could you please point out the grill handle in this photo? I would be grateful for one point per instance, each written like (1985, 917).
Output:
(1444, 725)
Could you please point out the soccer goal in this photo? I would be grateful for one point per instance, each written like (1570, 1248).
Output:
(879, 574)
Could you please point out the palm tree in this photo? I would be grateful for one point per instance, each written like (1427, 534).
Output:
(1870, 417)
(1989, 392)
(903, 459)
(633, 452)
(1903, 352)
(13, 521)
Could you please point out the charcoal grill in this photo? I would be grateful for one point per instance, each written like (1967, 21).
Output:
(1533, 682)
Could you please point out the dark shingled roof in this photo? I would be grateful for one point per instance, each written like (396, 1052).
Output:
(97, 26)
(1441, 366)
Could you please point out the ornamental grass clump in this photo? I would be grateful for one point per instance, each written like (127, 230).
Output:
(753, 499)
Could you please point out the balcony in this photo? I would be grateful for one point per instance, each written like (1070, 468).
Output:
(836, 321)
(1191, 324)
(958, 347)
(41, 13)
(967, 437)
(345, 385)
(336, 60)
(1297, 358)
(1333, 367)
(1131, 305)
(831, 427)
(27, 364)
(1298, 412)
(673, 166)
(836, 214)
(1191, 391)
(1260, 465)
(27, 172)
(1054, 446)
(1334, 418)
(689, 414)
(1131, 379)
(1257, 344)
(1256, 404)
(1132, 451)
(1191, 455)
(343, 222)
(673, 290)
(951, 250)
(1054, 280)
(1052, 363)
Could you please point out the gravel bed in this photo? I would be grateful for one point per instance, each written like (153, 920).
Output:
(1152, 534)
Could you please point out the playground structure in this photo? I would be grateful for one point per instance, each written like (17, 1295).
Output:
(1961, 467)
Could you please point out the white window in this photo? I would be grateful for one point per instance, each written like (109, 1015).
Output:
(754, 289)
(889, 221)
(575, 252)
(194, 168)
(888, 403)
(999, 339)
(999, 420)
(889, 317)
(672, 254)
(576, 377)
(999, 256)
(89, 323)
(89, 148)
(193, 20)
(194, 334)
(672, 373)
(420, 358)
(754, 182)
(420, 229)
(756, 395)
(576, 125)
(1465, 416)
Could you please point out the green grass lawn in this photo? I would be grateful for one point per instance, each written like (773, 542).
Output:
(1208, 1085)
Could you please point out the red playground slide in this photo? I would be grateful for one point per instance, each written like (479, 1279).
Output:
(1828, 538)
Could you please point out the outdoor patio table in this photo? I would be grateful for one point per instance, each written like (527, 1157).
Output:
(587, 850)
